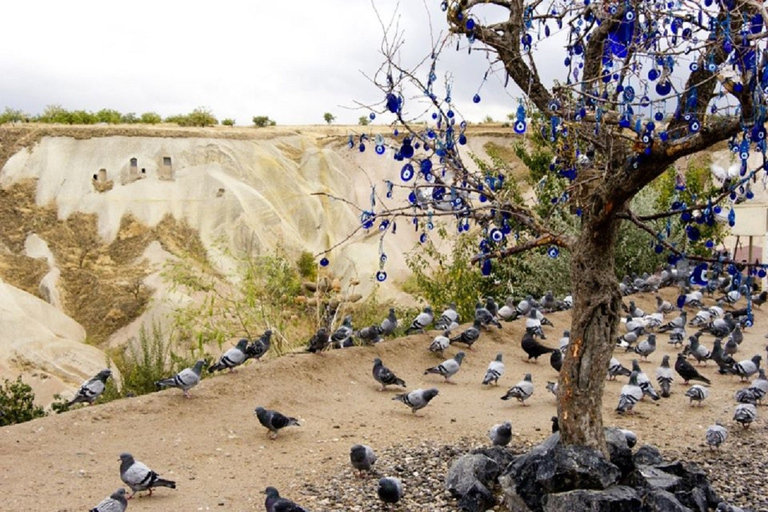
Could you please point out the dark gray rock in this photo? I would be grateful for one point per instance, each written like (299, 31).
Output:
(618, 498)
(619, 451)
(553, 468)
(477, 499)
(468, 470)
(653, 478)
(502, 455)
(696, 492)
(648, 455)
(658, 500)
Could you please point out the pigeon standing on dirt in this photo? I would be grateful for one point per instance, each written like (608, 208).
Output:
(260, 346)
(616, 368)
(630, 395)
(469, 336)
(384, 375)
(276, 503)
(139, 477)
(440, 343)
(390, 490)
(116, 502)
(556, 360)
(687, 371)
(345, 331)
(643, 381)
(389, 324)
(361, 457)
(417, 399)
(745, 414)
(522, 390)
(495, 370)
(447, 368)
(697, 393)
(486, 317)
(91, 389)
(319, 341)
(185, 380)
(716, 435)
(449, 320)
(274, 421)
(664, 376)
(746, 368)
(532, 347)
(233, 357)
(508, 311)
(646, 347)
(421, 321)
(533, 324)
(501, 434)
(370, 335)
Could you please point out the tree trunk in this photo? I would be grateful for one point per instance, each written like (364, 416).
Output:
(596, 314)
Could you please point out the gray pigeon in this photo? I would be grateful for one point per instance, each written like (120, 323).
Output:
(630, 395)
(522, 390)
(91, 389)
(417, 399)
(646, 347)
(421, 321)
(449, 320)
(390, 490)
(370, 335)
(260, 346)
(745, 414)
(716, 435)
(643, 381)
(274, 421)
(664, 376)
(384, 375)
(233, 357)
(616, 368)
(508, 311)
(495, 370)
(185, 380)
(440, 343)
(116, 502)
(139, 477)
(447, 368)
(276, 503)
(361, 457)
(343, 333)
(469, 336)
(697, 393)
(485, 316)
(746, 368)
(389, 324)
(501, 434)
(319, 341)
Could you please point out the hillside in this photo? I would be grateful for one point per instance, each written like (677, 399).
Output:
(222, 459)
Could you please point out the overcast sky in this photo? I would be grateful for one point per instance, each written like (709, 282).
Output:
(291, 60)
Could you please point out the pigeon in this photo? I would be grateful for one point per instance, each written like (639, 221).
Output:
(319, 341)
(274, 421)
(384, 375)
(676, 336)
(343, 333)
(501, 434)
(533, 325)
(565, 341)
(675, 323)
(634, 311)
(116, 502)
(745, 414)
(508, 311)
(759, 299)
(697, 350)
(370, 335)
(495, 370)
(760, 383)
(653, 321)
(185, 380)
(556, 360)
(664, 376)
(390, 490)
(91, 389)
(555, 424)
(440, 343)
(389, 324)
(628, 339)
(260, 346)
(449, 320)
(746, 368)
(726, 507)
(276, 503)
(361, 457)
(663, 306)
(630, 436)
(139, 477)
(716, 435)
(724, 361)
(233, 357)
(484, 316)
(643, 381)
(737, 336)
(421, 321)
(730, 347)
(630, 395)
(616, 368)
(552, 387)
(522, 390)
(533, 348)
(687, 371)
(417, 399)
(469, 336)
(646, 347)
(698, 393)
(746, 396)
(447, 368)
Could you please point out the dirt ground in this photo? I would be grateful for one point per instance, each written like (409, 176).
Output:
(213, 446)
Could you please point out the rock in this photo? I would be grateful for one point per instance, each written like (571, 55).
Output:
(477, 499)
(648, 455)
(618, 498)
(502, 455)
(653, 477)
(658, 500)
(469, 470)
(553, 468)
(696, 492)
(619, 450)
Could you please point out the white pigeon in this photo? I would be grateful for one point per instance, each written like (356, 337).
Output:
(440, 343)
(495, 370)
(630, 395)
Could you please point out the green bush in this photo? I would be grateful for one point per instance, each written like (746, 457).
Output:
(129, 118)
(11, 115)
(364, 121)
(307, 266)
(150, 118)
(262, 121)
(110, 116)
(228, 122)
(17, 403)
(329, 118)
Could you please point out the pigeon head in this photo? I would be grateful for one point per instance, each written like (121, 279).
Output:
(271, 492)
(633, 378)
(376, 362)
(259, 410)
(430, 393)
(119, 495)
(460, 356)
(104, 375)
(636, 366)
(428, 309)
(665, 360)
(242, 344)
(198, 368)
(756, 359)
(126, 457)
(528, 377)
(499, 356)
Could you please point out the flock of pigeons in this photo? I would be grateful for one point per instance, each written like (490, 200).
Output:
(723, 321)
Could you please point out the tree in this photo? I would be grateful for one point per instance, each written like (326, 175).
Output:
(642, 85)
(150, 118)
(363, 121)
(202, 116)
(262, 121)
(109, 116)
(329, 118)
(228, 122)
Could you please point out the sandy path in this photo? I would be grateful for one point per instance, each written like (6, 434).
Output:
(222, 459)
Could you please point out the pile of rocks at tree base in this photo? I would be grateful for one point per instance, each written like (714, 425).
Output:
(552, 477)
